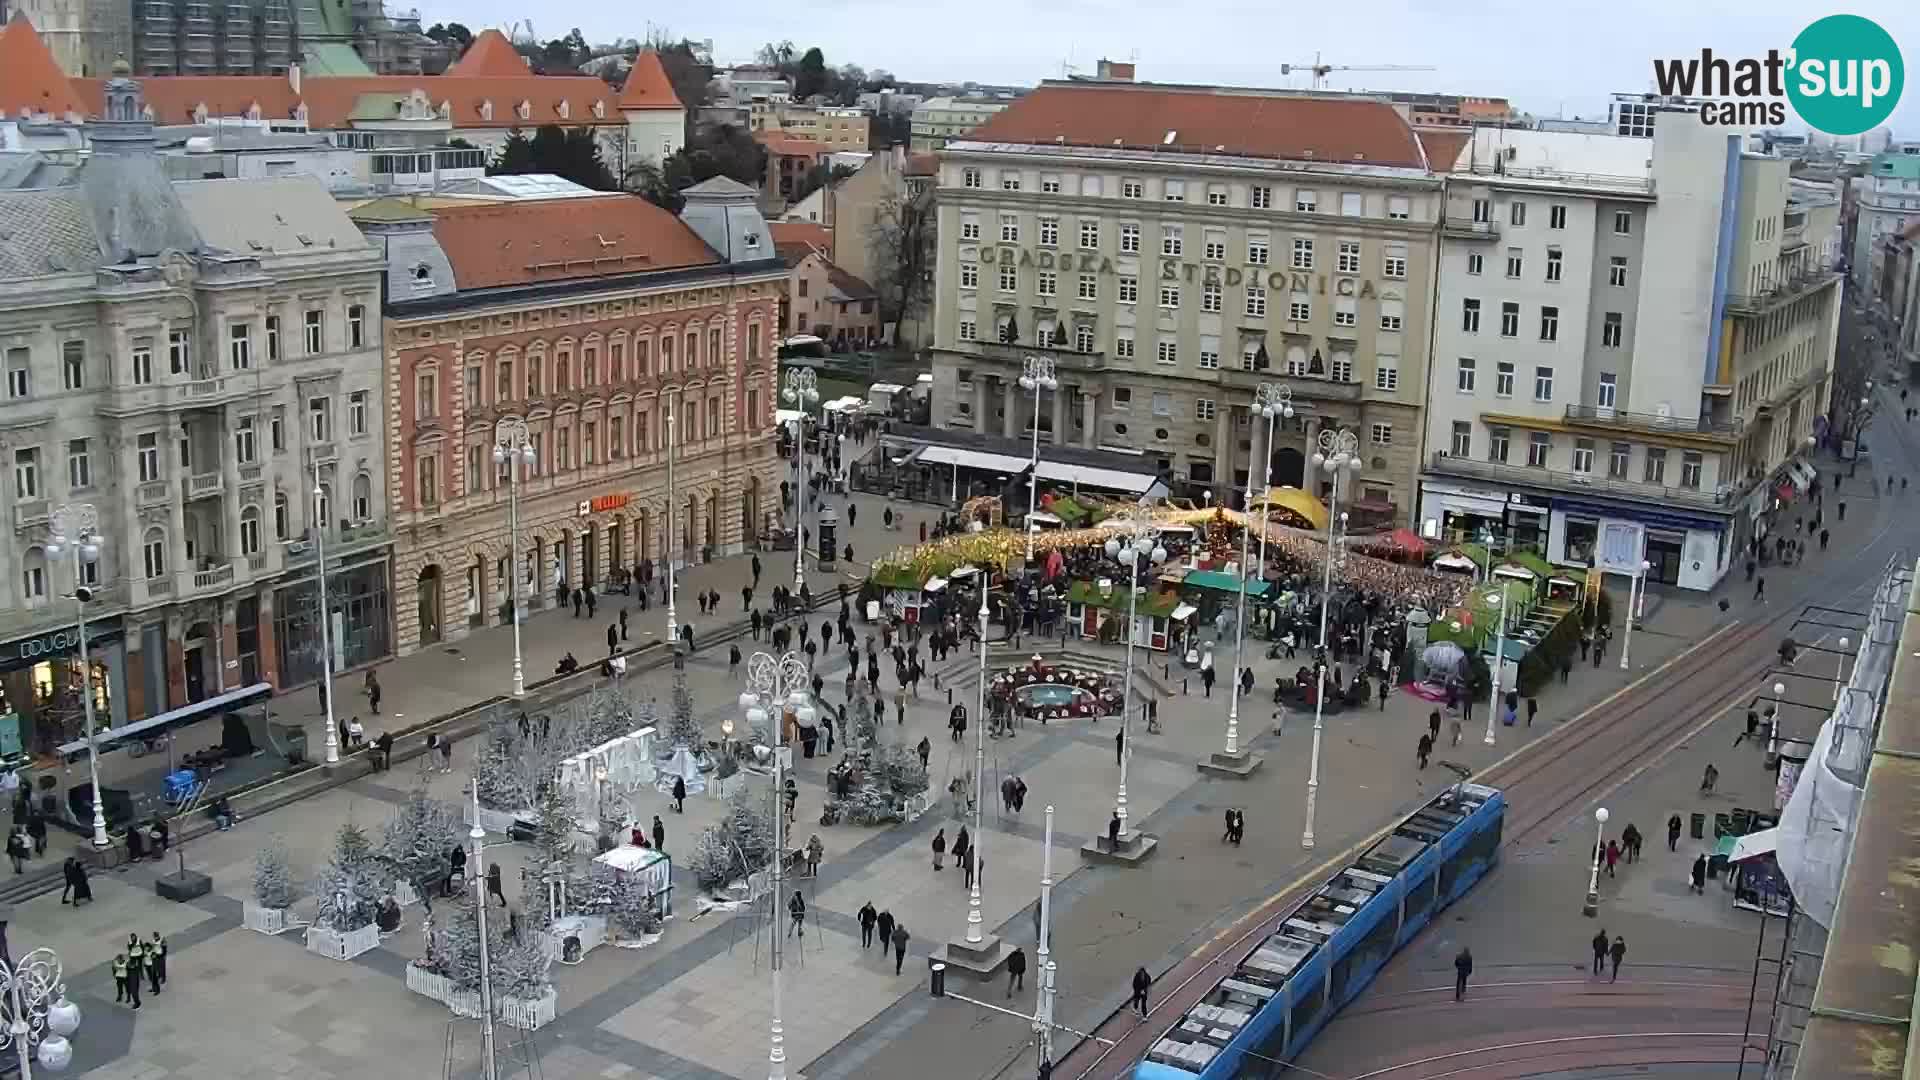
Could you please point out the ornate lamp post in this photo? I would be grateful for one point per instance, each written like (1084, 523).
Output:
(1036, 374)
(39, 1016)
(1272, 401)
(488, 1066)
(326, 618)
(1634, 609)
(773, 683)
(1275, 402)
(673, 517)
(1130, 545)
(1499, 656)
(76, 528)
(1339, 457)
(1592, 907)
(802, 389)
(513, 448)
(975, 935)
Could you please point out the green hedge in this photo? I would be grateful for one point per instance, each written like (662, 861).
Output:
(1559, 646)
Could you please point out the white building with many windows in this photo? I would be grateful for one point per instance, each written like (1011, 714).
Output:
(1632, 340)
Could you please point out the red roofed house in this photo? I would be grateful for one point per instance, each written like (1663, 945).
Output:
(600, 331)
(789, 159)
(823, 299)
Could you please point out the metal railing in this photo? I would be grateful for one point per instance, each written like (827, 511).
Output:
(1015, 352)
(1642, 184)
(1463, 229)
(1592, 483)
(1640, 421)
(203, 484)
(1791, 289)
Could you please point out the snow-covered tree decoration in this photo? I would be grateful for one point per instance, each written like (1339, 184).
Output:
(273, 884)
(900, 770)
(352, 884)
(502, 781)
(742, 842)
(609, 715)
(558, 839)
(518, 968)
(683, 728)
(415, 842)
(630, 909)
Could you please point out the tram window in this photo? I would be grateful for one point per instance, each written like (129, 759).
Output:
(1419, 897)
(1368, 954)
(1480, 848)
(1306, 1009)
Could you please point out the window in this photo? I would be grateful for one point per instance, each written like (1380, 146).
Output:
(1470, 315)
(1210, 297)
(1386, 373)
(19, 373)
(590, 433)
(427, 481)
(473, 388)
(1514, 262)
(1503, 379)
(1009, 278)
(1347, 257)
(1048, 283)
(1083, 338)
(1391, 313)
(79, 464)
(245, 448)
(1210, 353)
(153, 551)
(1393, 260)
(147, 457)
(969, 276)
(1557, 216)
(1129, 289)
(1465, 375)
(316, 332)
(1340, 368)
(1089, 234)
(1302, 253)
(1344, 311)
(179, 351)
(1617, 455)
(1216, 195)
(1203, 409)
(282, 517)
(1617, 271)
(970, 178)
(1170, 296)
(1610, 330)
(1256, 302)
(357, 404)
(1162, 404)
(1609, 387)
(1123, 350)
(1306, 201)
(1519, 212)
(73, 365)
(1497, 440)
(1173, 191)
(1543, 384)
(319, 420)
(1623, 222)
(1129, 238)
(1553, 264)
(1170, 240)
(1167, 353)
(240, 346)
(1483, 211)
(1509, 320)
(26, 474)
(1009, 229)
(1382, 434)
(1009, 181)
(142, 359)
(273, 338)
(1462, 438)
(1049, 231)
(363, 496)
(1549, 324)
(969, 331)
(1476, 263)
(250, 531)
(1656, 472)
(1691, 466)
(1050, 185)
(1260, 198)
(1399, 208)
(1583, 455)
(1299, 308)
(969, 227)
(1539, 446)
(1257, 245)
(1351, 204)
(356, 326)
(1088, 287)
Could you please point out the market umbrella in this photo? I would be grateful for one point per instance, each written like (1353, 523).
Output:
(1408, 541)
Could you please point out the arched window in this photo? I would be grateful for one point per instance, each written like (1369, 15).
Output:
(33, 576)
(153, 550)
(282, 517)
(250, 531)
(362, 497)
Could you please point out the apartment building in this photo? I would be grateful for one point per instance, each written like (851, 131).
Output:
(1887, 203)
(589, 321)
(1170, 248)
(939, 120)
(185, 363)
(1633, 336)
(835, 128)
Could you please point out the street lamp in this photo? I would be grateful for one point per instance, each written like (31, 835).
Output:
(1592, 907)
(1036, 374)
(1272, 401)
(802, 389)
(774, 683)
(326, 647)
(1773, 723)
(1840, 669)
(1136, 533)
(513, 448)
(1275, 402)
(38, 1012)
(1499, 656)
(76, 528)
(489, 1069)
(673, 517)
(975, 936)
(1635, 610)
(1338, 454)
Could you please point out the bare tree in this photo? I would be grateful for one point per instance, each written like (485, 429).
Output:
(901, 243)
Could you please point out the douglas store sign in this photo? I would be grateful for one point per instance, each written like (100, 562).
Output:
(27, 652)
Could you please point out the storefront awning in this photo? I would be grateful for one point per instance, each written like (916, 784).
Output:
(1754, 845)
(934, 584)
(1183, 612)
(1133, 483)
(973, 459)
(114, 738)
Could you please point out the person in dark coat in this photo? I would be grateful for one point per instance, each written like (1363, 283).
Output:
(37, 832)
(456, 867)
(797, 912)
(1698, 878)
(679, 795)
(1424, 749)
(1630, 841)
(1673, 833)
(1113, 833)
(613, 639)
(493, 883)
(900, 939)
(1617, 953)
(1600, 951)
(1016, 970)
(156, 954)
(1433, 724)
(659, 835)
(868, 917)
(1462, 970)
(883, 925)
(939, 847)
(1142, 982)
(1228, 834)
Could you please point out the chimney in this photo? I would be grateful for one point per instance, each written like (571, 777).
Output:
(293, 77)
(1114, 71)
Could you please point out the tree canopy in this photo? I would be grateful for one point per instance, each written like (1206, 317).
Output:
(451, 34)
(573, 155)
(722, 150)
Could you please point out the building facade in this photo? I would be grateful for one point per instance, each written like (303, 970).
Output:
(835, 128)
(1887, 202)
(1629, 350)
(262, 37)
(187, 359)
(1171, 248)
(939, 120)
(590, 320)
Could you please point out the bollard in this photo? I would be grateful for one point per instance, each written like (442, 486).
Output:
(1183, 684)
(949, 695)
(939, 980)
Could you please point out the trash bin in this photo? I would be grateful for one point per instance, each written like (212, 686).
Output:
(1697, 826)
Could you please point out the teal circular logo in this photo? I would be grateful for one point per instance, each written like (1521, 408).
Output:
(1845, 75)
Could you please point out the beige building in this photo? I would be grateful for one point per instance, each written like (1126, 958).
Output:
(837, 129)
(937, 121)
(1171, 248)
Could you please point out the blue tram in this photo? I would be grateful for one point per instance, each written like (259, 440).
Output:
(1330, 947)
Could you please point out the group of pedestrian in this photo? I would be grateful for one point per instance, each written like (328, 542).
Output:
(1605, 949)
(140, 959)
(889, 930)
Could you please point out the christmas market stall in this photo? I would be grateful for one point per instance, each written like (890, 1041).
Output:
(1098, 611)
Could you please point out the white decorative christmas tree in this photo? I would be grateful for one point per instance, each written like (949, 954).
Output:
(273, 883)
(741, 843)
(352, 884)
(631, 910)
(416, 841)
(683, 728)
(518, 968)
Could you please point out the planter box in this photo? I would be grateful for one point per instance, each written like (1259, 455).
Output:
(404, 893)
(342, 945)
(527, 1015)
(428, 984)
(590, 929)
(263, 920)
(722, 788)
(500, 822)
(918, 805)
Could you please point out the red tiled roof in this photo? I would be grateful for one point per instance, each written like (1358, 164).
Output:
(497, 244)
(1201, 119)
(922, 164)
(330, 100)
(779, 142)
(812, 234)
(1443, 148)
(647, 85)
(795, 252)
(491, 54)
(855, 288)
(30, 79)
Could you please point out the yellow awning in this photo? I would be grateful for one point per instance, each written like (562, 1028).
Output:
(1292, 498)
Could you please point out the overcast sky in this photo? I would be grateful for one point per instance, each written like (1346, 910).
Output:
(1548, 58)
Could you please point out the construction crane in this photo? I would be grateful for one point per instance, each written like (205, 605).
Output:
(1319, 70)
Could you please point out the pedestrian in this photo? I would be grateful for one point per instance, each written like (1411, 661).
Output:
(967, 866)
(900, 938)
(1462, 969)
(623, 624)
(456, 868)
(659, 835)
(1239, 826)
(1613, 856)
(1533, 709)
(926, 751)
(1600, 951)
(815, 850)
(1016, 970)
(1206, 680)
(1630, 840)
(1673, 833)
(1708, 778)
(797, 912)
(883, 923)
(1456, 730)
(37, 832)
(939, 848)
(120, 978)
(733, 661)
(156, 953)
(848, 554)
(579, 600)
(1119, 745)
(1617, 953)
(590, 600)
(679, 795)
(1385, 688)
(613, 639)
(67, 873)
(18, 849)
(868, 917)
(446, 754)
(757, 621)
(493, 883)
(756, 571)
(1824, 534)
(383, 752)
(1566, 669)
(1760, 588)
(1424, 749)
(1697, 879)
(136, 968)
(1227, 834)
(1433, 724)
(1843, 511)
(1142, 982)
(372, 689)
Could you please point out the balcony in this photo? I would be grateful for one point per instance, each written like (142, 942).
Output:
(1621, 419)
(151, 494)
(31, 512)
(322, 454)
(1309, 387)
(1484, 232)
(1752, 304)
(1064, 359)
(1811, 377)
(158, 588)
(216, 576)
(1585, 483)
(202, 485)
(250, 474)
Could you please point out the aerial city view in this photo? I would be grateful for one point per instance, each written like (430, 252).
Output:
(1217, 544)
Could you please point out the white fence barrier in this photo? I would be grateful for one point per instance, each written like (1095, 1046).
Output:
(404, 893)
(918, 805)
(528, 1015)
(263, 920)
(342, 945)
(590, 929)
